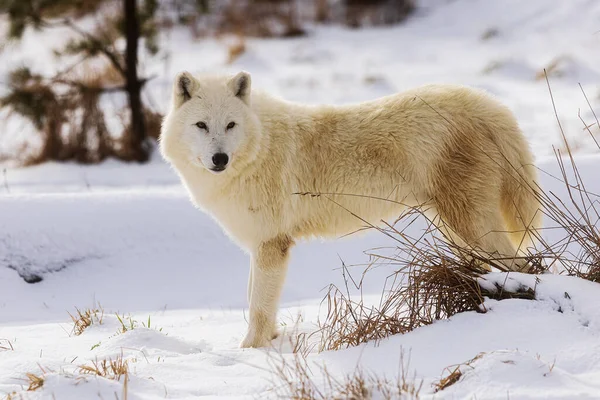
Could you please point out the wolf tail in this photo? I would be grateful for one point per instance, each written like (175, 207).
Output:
(521, 203)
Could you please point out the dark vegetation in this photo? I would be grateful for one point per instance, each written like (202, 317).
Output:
(102, 79)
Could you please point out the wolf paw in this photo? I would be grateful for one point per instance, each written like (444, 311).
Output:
(255, 341)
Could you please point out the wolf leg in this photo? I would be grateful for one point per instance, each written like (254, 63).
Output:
(269, 266)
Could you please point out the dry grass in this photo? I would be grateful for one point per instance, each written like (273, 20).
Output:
(287, 18)
(93, 73)
(107, 368)
(450, 379)
(84, 319)
(293, 379)
(127, 323)
(35, 381)
(555, 68)
(66, 112)
(433, 279)
(261, 18)
(6, 345)
(298, 342)
(235, 49)
(578, 252)
(453, 373)
(77, 8)
(153, 122)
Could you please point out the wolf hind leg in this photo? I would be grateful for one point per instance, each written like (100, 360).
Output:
(482, 232)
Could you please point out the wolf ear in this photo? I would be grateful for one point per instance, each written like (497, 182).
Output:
(184, 87)
(240, 86)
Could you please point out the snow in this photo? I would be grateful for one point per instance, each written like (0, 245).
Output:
(126, 236)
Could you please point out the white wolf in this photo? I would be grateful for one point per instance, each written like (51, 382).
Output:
(243, 154)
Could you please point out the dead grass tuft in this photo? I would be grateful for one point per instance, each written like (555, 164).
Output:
(453, 373)
(294, 379)
(34, 381)
(434, 279)
(577, 253)
(107, 368)
(84, 319)
(450, 379)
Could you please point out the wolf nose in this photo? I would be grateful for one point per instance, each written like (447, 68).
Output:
(220, 160)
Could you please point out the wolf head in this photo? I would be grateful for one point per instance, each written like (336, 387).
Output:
(211, 124)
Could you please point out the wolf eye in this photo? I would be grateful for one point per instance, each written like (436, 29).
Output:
(202, 125)
(230, 125)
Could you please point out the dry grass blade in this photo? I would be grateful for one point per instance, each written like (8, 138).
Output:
(35, 381)
(84, 319)
(448, 380)
(127, 323)
(107, 368)
(453, 374)
(294, 379)
(578, 251)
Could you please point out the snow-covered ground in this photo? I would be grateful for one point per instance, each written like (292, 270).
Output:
(147, 252)
(126, 236)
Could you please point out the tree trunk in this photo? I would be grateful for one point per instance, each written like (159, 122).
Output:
(202, 6)
(135, 140)
(322, 14)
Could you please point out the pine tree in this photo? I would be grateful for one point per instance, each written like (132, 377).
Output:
(49, 102)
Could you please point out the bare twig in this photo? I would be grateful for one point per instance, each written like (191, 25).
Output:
(101, 47)
(294, 379)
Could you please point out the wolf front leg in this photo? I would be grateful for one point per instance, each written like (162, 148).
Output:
(268, 269)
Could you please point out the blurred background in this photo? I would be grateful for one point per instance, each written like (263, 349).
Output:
(83, 81)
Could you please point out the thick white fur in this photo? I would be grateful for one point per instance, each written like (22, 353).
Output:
(453, 148)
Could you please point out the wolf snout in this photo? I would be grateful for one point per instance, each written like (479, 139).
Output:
(220, 161)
